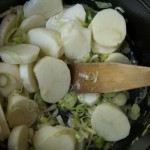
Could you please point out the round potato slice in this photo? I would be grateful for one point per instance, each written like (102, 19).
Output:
(18, 138)
(49, 41)
(19, 54)
(110, 122)
(109, 28)
(24, 109)
(118, 58)
(34, 21)
(55, 138)
(4, 129)
(53, 77)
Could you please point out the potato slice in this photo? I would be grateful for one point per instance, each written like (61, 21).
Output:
(48, 137)
(109, 28)
(19, 54)
(110, 122)
(21, 110)
(76, 40)
(48, 40)
(75, 12)
(4, 129)
(53, 77)
(34, 21)
(97, 48)
(8, 23)
(118, 58)
(10, 78)
(18, 138)
(28, 76)
(46, 8)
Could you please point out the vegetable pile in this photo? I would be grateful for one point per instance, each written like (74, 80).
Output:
(38, 110)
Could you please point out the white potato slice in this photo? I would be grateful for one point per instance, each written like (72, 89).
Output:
(109, 28)
(21, 110)
(118, 58)
(76, 40)
(29, 80)
(19, 54)
(11, 76)
(75, 12)
(31, 22)
(4, 129)
(110, 122)
(48, 40)
(46, 8)
(97, 48)
(18, 138)
(53, 77)
(8, 23)
(89, 98)
(55, 138)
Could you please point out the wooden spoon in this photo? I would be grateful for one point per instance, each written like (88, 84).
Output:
(107, 77)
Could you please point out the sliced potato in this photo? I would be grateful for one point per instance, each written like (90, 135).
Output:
(48, 137)
(28, 76)
(53, 77)
(46, 8)
(18, 138)
(8, 23)
(31, 22)
(110, 122)
(76, 40)
(10, 78)
(76, 13)
(118, 58)
(97, 48)
(48, 40)
(21, 110)
(4, 129)
(109, 28)
(19, 54)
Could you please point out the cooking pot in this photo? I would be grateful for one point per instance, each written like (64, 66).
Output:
(137, 14)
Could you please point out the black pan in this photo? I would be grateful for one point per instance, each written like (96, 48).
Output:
(137, 12)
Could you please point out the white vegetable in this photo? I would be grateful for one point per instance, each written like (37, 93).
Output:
(34, 21)
(76, 13)
(11, 75)
(97, 48)
(19, 54)
(21, 110)
(120, 99)
(8, 23)
(53, 77)
(18, 138)
(4, 129)
(28, 76)
(48, 40)
(109, 28)
(49, 137)
(118, 58)
(76, 40)
(89, 98)
(46, 8)
(110, 122)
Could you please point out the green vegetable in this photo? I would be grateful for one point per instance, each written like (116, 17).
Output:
(68, 101)
(98, 142)
(134, 112)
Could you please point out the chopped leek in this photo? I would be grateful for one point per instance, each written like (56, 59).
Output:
(98, 142)
(68, 101)
(134, 112)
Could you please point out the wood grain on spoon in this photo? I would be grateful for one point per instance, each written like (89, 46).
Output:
(107, 77)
